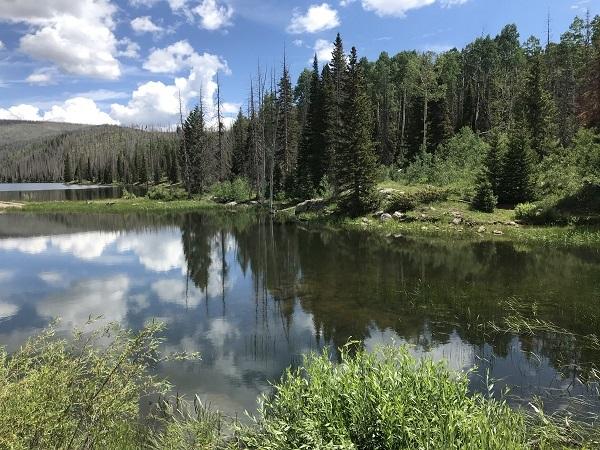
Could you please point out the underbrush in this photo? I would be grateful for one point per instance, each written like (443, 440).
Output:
(407, 201)
(238, 190)
(166, 193)
(85, 392)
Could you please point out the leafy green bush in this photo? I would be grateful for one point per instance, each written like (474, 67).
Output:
(381, 400)
(403, 201)
(238, 190)
(56, 393)
(128, 195)
(166, 193)
(540, 213)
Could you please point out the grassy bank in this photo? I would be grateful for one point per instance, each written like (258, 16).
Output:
(85, 393)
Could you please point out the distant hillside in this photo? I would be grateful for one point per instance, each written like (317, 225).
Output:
(36, 151)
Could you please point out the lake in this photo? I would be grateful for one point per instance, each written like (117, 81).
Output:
(252, 296)
(41, 192)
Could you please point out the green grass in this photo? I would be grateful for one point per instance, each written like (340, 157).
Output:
(84, 392)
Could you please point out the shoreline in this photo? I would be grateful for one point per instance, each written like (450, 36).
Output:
(495, 227)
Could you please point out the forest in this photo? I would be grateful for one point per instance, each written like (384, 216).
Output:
(503, 121)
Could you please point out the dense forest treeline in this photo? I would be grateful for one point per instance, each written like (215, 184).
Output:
(502, 120)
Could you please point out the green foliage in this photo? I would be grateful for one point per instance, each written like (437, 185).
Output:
(516, 181)
(58, 393)
(381, 400)
(128, 195)
(166, 193)
(484, 199)
(540, 213)
(237, 190)
(457, 162)
(403, 201)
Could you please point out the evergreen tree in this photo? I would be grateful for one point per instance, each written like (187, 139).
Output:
(516, 183)
(143, 169)
(538, 106)
(239, 132)
(67, 173)
(356, 162)
(334, 98)
(590, 100)
(286, 150)
(194, 156)
(311, 157)
(88, 171)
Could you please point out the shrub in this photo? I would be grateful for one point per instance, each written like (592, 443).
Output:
(541, 213)
(402, 201)
(128, 195)
(237, 190)
(484, 199)
(381, 400)
(166, 193)
(56, 393)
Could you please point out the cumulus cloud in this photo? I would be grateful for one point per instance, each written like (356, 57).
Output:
(42, 77)
(76, 36)
(398, 8)
(213, 15)
(159, 252)
(144, 24)
(157, 103)
(323, 49)
(317, 18)
(1, 45)
(129, 49)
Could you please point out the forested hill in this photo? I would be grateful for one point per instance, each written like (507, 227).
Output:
(36, 151)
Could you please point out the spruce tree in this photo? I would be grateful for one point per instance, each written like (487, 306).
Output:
(516, 183)
(285, 153)
(355, 160)
(311, 157)
(484, 199)
(193, 155)
(239, 157)
(67, 174)
(334, 95)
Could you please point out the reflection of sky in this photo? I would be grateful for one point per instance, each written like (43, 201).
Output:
(242, 333)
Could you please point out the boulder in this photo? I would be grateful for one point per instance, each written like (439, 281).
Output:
(399, 216)
(481, 229)
(457, 221)
(498, 232)
(231, 204)
(313, 205)
(385, 217)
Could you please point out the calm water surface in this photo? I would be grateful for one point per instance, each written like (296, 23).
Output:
(41, 192)
(252, 296)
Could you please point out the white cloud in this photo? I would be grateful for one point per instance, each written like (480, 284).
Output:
(86, 246)
(32, 246)
(20, 112)
(73, 110)
(323, 49)
(129, 49)
(157, 252)
(42, 77)
(144, 24)
(171, 59)
(398, 8)
(1, 45)
(213, 15)
(317, 18)
(8, 310)
(177, 291)
(157, 103)
(77, 36)
(52, 278)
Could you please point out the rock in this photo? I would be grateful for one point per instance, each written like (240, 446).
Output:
(378, 213)
(424, 217)
(398, 236)
(457, 221)
(399, 216)
(498, 232)
(385, 217)
(512, 223)
(254, 202)
(365, 220)
(313, 205)
(456, 214)
(387, 192)
(481, 229)
(231, 204)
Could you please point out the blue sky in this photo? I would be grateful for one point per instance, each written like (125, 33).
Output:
(127, 61)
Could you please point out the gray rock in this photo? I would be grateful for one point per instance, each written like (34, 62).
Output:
(498, 232)
(231, 204)
(313, 205)
(399, 216)
(481, 229)
(385, 217)
(457, 220)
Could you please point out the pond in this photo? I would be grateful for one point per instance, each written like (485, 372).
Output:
(252, 296)
(41, 192)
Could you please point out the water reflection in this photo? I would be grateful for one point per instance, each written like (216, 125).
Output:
(41, 192)
(252, 296)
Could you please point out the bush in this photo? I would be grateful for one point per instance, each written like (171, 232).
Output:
(402, 201)
(484, 199)
(56, 393)
(166, 193)
(381, 400)
(541, 213)
(237, 190)
(128, 195)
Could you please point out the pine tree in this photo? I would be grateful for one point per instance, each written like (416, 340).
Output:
(356, 162)
(334, 97)
(516, 185)
(590, 99)
(239, 159)
(286, 150)
(538, 105)
(193, 154)
(67, 173)
(484, 199)
(311, 157)
(143, 169)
